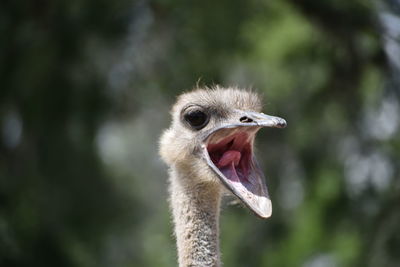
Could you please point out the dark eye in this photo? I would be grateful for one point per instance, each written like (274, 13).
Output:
(196, 118)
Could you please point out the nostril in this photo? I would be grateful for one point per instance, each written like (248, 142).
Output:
(245, 119)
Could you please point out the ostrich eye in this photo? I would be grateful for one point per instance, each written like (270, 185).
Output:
(196, 118)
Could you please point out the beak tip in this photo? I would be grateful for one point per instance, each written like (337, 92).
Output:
(265, 208)
(282, 123)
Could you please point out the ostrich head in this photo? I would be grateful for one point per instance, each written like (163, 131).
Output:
(211, 140)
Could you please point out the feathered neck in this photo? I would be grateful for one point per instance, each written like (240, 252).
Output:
(195, 210)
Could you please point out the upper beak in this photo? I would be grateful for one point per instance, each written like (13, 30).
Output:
(261, 119)
(248, 119)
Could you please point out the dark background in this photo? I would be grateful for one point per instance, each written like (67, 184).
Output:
(85, 89)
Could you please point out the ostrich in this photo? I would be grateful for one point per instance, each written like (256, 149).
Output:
(209, 149)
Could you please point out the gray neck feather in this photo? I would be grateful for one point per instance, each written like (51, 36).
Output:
(196, 217)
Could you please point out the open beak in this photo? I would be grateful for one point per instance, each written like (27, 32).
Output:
(228, 150)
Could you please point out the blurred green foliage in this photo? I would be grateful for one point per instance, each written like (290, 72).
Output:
(85, 90)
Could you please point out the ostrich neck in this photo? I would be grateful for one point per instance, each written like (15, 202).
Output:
(196, 217)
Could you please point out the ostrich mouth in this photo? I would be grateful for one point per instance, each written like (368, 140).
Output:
(229, 153)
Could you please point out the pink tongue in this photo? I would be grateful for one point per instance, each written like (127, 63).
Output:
(230, 156)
